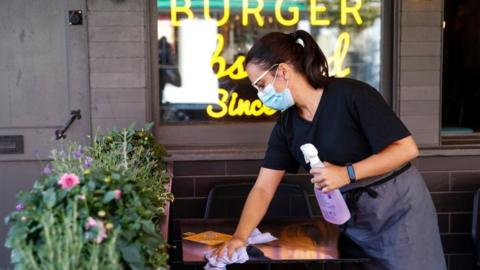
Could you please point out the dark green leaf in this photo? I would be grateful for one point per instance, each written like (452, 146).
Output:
(7, 219)
(91, 185)
(16, 256)
(132, 126)
(15, 233)
(152, 242)
(90, 235)
(137, 266)
(148, 126)
(131, 254)
(49, 198)
(116, 176)
(61, 195)
(127, 188)
(109, 196)
(149, 228)
(129, 234)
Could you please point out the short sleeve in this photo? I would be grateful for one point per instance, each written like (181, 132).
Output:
(377, 120)
(278, 156)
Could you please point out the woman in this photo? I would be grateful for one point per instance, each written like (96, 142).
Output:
(365, 147)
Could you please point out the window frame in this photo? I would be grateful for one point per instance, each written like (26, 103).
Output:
(247, 140)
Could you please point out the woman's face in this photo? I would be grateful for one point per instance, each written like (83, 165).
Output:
(260, 77)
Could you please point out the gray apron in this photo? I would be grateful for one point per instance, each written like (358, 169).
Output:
(395, 224)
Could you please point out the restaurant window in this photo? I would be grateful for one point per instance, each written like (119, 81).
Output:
(461, 70)
(202, 46)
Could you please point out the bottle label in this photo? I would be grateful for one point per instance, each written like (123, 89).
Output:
(327, 207)
(328, 210)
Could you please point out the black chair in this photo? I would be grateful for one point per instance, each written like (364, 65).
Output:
(226, 201)
(476, 229)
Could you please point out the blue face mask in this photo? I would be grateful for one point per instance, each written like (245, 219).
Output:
(276, 100)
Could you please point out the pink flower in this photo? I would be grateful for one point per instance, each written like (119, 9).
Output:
(102, 233)
(69, 180)
(91, 222)
(118, 194)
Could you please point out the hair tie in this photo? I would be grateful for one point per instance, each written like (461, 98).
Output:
(297, 39)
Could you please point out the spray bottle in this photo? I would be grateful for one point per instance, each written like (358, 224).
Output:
(333, 206)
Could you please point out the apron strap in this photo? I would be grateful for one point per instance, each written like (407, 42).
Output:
(353, 195)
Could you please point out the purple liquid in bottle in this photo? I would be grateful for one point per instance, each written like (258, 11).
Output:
(333, 206)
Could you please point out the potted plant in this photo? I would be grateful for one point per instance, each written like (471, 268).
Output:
(95, 207)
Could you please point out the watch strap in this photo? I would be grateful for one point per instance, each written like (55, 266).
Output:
(351, 172)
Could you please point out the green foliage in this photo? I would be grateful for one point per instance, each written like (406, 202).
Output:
(63, 246)
(135, 151)
(95, 207)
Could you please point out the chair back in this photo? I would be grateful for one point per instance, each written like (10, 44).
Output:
(227, 201)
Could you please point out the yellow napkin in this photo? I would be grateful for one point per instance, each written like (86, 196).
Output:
(210, 238)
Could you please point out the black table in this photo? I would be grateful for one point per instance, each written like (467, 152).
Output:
(299, 241)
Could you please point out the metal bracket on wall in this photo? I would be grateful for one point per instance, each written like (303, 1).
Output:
(75, 115)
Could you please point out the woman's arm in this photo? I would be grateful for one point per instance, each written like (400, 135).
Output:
(258, 201)
(254, 209)
(391, 157)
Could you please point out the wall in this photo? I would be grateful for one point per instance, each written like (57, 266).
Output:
(118, 62)
(419, 82)
(451, 181)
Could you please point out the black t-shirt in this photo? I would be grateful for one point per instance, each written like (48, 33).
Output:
(352, 122)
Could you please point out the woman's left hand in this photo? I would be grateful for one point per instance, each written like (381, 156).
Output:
(330, 177)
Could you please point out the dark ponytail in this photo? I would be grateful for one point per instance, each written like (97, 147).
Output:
(306, 57)
(314, 61)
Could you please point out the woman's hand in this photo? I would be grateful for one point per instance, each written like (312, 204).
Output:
(230, 246)
(330, 177)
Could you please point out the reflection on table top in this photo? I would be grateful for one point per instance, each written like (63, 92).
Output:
(299, 240)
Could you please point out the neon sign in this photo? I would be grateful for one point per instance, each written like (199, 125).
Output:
(229, 103)
(248, 9)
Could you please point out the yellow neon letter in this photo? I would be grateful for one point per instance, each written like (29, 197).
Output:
(185, 9)
(268, 111)
(339, 55)
(222, 103)
(257, 107)
(254, 11)
(226, 11)
(244, 107)
(232, 111)
(278, 14)
(344, 9)
(236, 71)
(314, 8)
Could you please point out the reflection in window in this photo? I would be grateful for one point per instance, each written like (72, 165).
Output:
(201, 57)
(461, 67)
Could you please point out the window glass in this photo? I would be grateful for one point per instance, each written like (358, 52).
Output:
(461, 67)
(202, 46)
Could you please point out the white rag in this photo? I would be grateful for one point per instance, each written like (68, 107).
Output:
(239, 255)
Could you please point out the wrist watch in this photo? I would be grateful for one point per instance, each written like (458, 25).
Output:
(351, 173)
